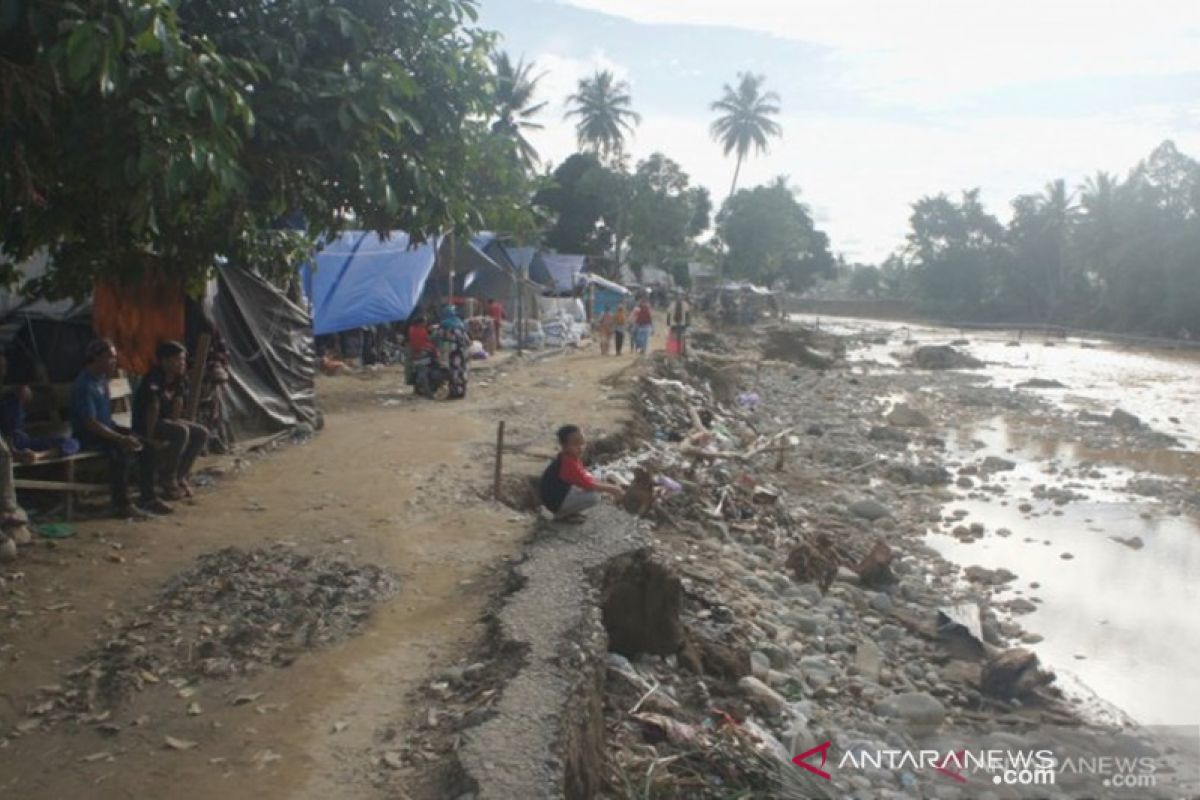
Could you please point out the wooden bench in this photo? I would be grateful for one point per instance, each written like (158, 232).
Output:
(121, 395)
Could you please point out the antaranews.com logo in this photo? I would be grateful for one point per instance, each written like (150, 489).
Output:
(1081, 762)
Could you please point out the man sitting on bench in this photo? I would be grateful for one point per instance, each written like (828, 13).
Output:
(158, 420)
(26, 449)
(92, 421)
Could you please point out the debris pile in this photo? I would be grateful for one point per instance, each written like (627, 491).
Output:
(805, 611)
(233, 613)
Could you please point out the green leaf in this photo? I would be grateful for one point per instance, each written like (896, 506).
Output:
(161, 33)
(83, 51)
(217, 108)
(194, 95)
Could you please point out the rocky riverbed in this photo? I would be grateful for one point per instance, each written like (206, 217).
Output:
(807, 499)
(810, 618)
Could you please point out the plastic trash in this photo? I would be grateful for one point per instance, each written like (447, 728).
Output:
(672, 486)
(749, 400)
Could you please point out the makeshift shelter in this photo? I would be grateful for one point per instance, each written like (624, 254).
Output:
(271, 359)
(651, 277)
(602, 293)
(527, 260)
(359, 279)
(44, 339)
(136, 317)
(701, 276)
(477, 276)
(558, 272)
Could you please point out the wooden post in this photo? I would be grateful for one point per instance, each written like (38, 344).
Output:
(499, 458)
(201, 361)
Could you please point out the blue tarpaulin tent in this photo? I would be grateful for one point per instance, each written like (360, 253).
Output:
(558, 271)
(361, 280)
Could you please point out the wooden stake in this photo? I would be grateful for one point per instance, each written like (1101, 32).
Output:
(499, 457)
(201, 361)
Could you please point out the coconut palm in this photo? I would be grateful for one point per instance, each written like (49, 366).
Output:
(513, 91)
(745, 119)
(602, 104)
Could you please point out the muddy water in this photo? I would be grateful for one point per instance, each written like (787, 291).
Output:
(1118, 623)
(1158, 386)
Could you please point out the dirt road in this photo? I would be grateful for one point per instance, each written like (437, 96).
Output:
(392, 481)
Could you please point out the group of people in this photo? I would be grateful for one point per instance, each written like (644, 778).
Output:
(612, 326)
(161, 441)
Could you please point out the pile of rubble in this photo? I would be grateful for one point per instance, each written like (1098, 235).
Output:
(233, 613)
(803, 621)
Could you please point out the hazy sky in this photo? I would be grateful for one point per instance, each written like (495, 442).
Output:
(883, 100)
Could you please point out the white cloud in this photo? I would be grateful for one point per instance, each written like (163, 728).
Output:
(930, 51)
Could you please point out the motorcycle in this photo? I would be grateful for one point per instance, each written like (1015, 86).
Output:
(429, 378)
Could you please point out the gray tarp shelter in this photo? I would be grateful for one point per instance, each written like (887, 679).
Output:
(268, 339)
(272, 363)
(44, 339)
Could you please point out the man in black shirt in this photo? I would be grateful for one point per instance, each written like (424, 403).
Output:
(158, 419)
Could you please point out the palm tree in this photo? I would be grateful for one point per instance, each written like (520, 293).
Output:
(1058, 213)
(513, 105)
(745, 119)
(602, 104)
(1098, 199)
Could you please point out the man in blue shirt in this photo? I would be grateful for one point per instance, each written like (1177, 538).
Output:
(91, 419)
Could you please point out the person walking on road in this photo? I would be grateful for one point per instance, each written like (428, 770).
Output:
(643, 327)
(678, 319)
(604, 329)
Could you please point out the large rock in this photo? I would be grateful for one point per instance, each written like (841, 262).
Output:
(905, 416)
(943, 357)
(916, 708)
(997, 464)
(762, 695)
(1124, 420)
(869, 509)
(886, 433)
(921, 475)
(868, 659)
(1014, 673)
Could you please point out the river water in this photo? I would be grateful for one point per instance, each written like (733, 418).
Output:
(1119, 624)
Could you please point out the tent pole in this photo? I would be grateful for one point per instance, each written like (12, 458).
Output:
(520, 313)
(453, 264)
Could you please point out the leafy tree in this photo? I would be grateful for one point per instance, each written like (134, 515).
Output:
(513, 90)
(172, 133)
(1125, 256)
(745, 119)
(603, 107)
(580, 197)
(955, 252)
(866, 280)
(770, 237)
(665, 213)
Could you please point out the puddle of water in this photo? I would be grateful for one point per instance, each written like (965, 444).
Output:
(1130, 613)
